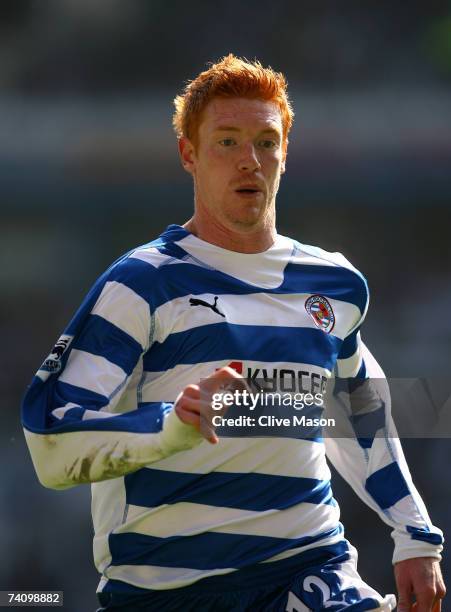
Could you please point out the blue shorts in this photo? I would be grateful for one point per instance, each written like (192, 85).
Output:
(331, 586)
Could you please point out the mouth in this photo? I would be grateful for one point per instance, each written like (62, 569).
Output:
(248, 191)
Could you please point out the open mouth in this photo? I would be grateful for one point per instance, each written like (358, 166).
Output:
(248, 190)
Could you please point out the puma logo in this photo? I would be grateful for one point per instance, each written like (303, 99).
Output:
(198, 302)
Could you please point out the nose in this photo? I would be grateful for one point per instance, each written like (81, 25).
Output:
(248, 161)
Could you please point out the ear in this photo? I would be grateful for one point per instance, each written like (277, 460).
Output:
(187, 154)
(282, 166)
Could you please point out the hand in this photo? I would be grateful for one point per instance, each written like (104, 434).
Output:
(193, 406)
(421, 577)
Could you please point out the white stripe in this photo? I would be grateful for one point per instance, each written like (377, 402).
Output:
(379, 457)
(349, 367)
(153, 257)
(264, 269)
(411, 506)
(309, 259)
(125, 309)
(87, 414)
(271, 310)
(188, 519)
(160, 577)
(294, 551)
(108, 505)
(272, 456)
(408, 506)
(98, 414)
(350, 579)
(92, 372)
(128, 398)
(60, 412)
(43, 375)
(165, 386)
(373, 369)
(313, 255)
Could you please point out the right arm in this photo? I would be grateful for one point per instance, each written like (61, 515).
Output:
(75, 427)
(96, 453)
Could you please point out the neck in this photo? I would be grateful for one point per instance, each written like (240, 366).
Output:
(233, 237)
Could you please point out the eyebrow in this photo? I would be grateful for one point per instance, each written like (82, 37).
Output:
(230, 128)
(226, 128)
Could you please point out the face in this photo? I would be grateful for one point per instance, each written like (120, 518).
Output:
(237, 163)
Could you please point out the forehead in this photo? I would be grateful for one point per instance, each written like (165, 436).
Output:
(241, 113)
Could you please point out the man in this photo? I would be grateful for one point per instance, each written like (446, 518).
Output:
(182, 522)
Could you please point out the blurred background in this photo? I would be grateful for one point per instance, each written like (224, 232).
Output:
(89, 169)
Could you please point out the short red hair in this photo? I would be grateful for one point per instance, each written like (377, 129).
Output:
(231, 77)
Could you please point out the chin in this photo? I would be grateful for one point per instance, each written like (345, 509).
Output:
(250, 218)
(246, 223)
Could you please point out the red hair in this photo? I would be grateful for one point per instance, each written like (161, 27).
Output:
(231, 77)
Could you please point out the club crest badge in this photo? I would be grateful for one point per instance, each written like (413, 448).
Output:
(321, 312)
(53, 362)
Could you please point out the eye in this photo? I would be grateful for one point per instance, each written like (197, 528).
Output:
(227, 142)
(268, 144)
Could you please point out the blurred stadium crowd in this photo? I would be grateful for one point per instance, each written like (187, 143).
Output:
(89, 169)
(83, 46)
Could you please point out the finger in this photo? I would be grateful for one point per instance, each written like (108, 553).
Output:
(207, 429)
(224, 382)
(426, 597)
(198, 414)
(187, 416)
(224, 376)
(193, 404)
(404, 597)
(438, 604)
(436, 608)
(225, 373)
(192, 391)
(232, 379)
(441, 589)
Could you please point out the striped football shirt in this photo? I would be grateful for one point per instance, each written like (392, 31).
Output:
(170, 509)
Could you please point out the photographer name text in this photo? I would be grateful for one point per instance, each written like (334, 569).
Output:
(268, 420)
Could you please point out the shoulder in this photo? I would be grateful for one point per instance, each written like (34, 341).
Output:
(334, 267)
(141, 270)
(150, 257)
(315, 254)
